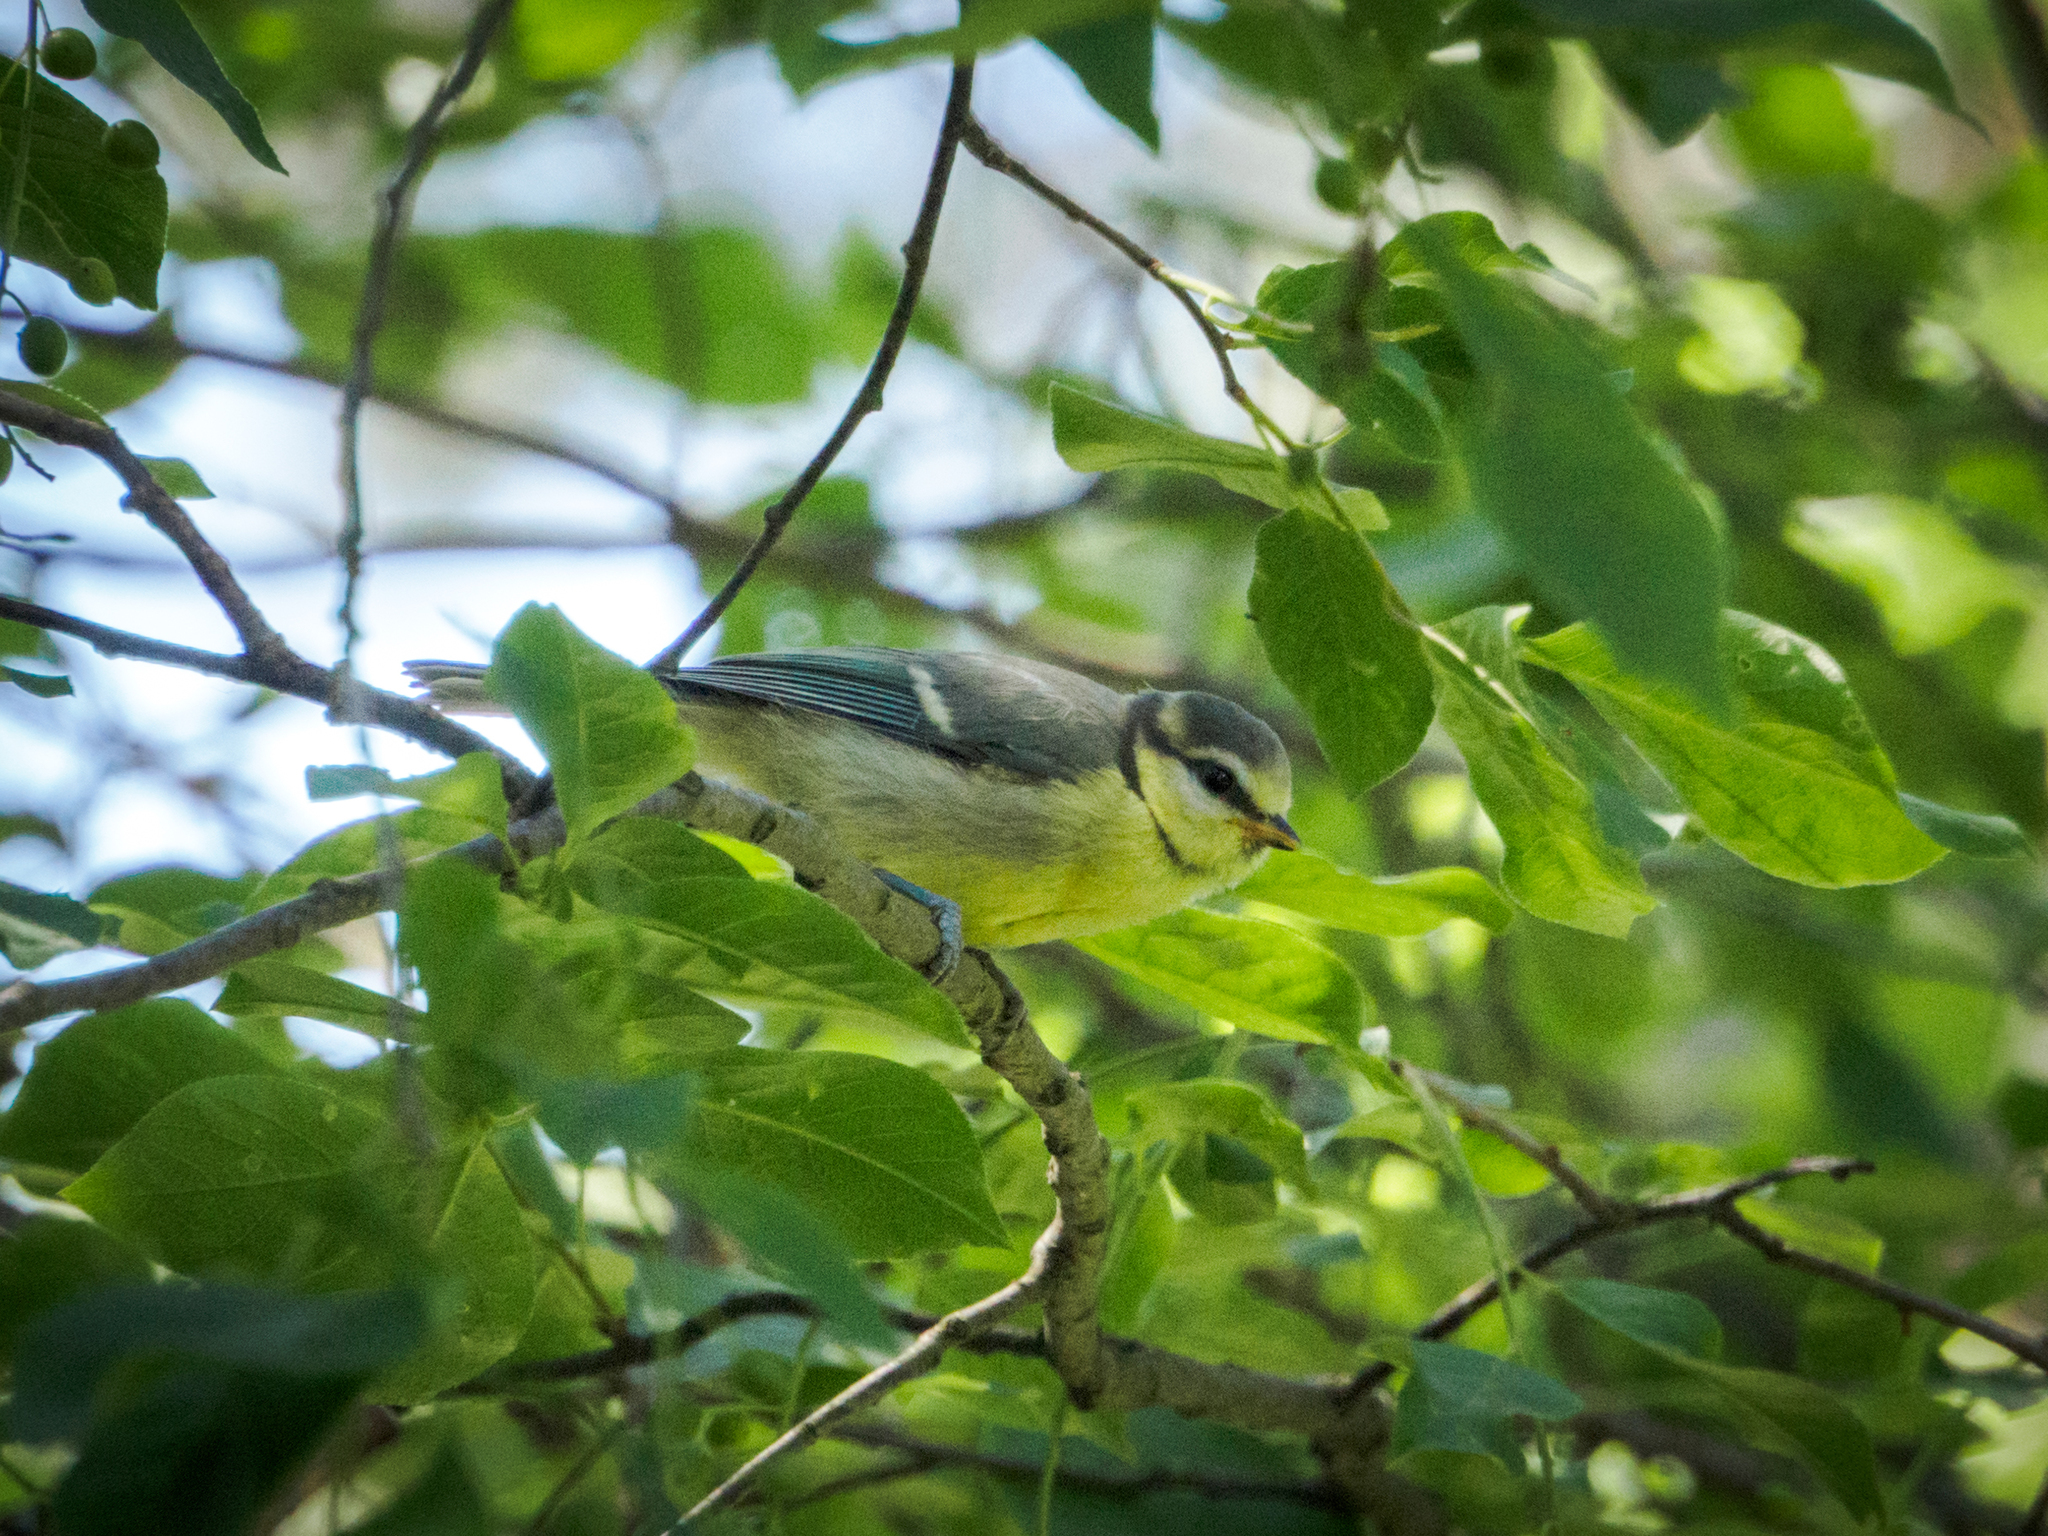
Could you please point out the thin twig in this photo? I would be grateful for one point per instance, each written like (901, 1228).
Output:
(162, 512)
(917, 254)
(287, 674)
(393, 208)
(977, 142)
(2025, 41)
(1594, 1200)
(922, 1355)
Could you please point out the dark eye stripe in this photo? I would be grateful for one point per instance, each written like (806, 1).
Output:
(1235, 796)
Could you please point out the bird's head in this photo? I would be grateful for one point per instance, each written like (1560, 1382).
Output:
(1215, 778)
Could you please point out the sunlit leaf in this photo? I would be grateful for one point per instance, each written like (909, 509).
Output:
(472, 788)
(1212, 1106)
(1390, 905)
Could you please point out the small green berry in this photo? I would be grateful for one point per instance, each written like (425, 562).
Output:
(43, 346)
(130, 145)
(1512, 62)
(69, 54)
(93, 281)
(1340, 184)
(6, 460)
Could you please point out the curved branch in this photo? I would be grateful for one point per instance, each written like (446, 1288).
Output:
(286, 673)
(393, 207)
(161, 511)
(917, 255)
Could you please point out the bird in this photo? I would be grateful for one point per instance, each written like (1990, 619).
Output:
(1037, 803)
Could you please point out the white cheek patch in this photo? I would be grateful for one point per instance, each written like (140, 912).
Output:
(928, 699)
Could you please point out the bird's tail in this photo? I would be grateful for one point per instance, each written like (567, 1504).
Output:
(454, 687)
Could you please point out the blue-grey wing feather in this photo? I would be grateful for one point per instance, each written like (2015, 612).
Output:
(995, 710)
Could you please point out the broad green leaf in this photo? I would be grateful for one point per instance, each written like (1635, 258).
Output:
(279, 989)
(1795, 782)
(1255, 975)
(472, 789)
(179, 479)
(1094, 435)
(259, 1175)
(879, 1150)
(1471, 239)
(44, 685)
(765, 942)
(23, 824)
(584, 1116)
(1215, 1107)
(49, 394)
(162, 27)
(1394, 905)
(1340, 638)
(809, 60)
(784, 1236)
(1858, 34)
(1666, 1319)
(47, 1260)
(609, 730)
(76, 203)
(90, 1084)
(480, 1242)
(36, 926)
(1826, 1234)
(1459, 1399)
(568, 40)
(355, 849)
(154, 910)
(1808, 1420)
(1606, 526)
(1929, 580)
(1112, 58)
(1498, 1167)
(1222, 1180)
(192, 1408)
(643, 851)
(1966, 832)
(1557, 862)
(443, 1502)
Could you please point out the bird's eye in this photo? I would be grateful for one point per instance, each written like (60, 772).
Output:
(1218, 780)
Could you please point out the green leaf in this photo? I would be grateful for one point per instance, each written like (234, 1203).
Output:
(785, 1237)
(278, 989)
(1605, 525)
(1094, 435)
(22, 824)
(809, 60)
(36, 926)
(1809, 1421)
(480, 1242)
(1112, 58)
(1215, 1107)
(609, 730)
(43, 685)
(1929, 580)
(1256, 975)
(1826, 1234)
(1966, 832)
(47, 1260)
(584, 1116)
(1795, 783)
(154, 910)
(643, 851)
(77, 204)
(1459, 1399)
(1340, 638)
(90, 1084)
(763, 941)
(2021, 1106)
(163, 28)
(1471, 238)
(569, 40)
(1664, 1319)
(880, 1151)
(1391, 906)
(48, 394)
(1557, 862)
(443, 1502)
(178, 479)
(354, 849)
(472, 788)
(257, 1174)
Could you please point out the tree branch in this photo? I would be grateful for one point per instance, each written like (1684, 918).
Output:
(917, 253)
(162, 512)
(286, 673)
(393, 208)
(977, 142)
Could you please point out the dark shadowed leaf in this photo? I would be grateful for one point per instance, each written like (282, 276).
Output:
(1112, 58)
(163, 28)
(1459, 1399)
(472, 789)
(179, 479)
(784, 1236)
(37, 926)
(44, 685)
(1966, 832)
(1647, 1315)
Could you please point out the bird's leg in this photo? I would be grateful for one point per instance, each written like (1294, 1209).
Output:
(945, 913)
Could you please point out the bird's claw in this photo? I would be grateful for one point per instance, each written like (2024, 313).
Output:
(946, 914)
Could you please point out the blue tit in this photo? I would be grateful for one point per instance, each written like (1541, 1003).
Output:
(1042, 804)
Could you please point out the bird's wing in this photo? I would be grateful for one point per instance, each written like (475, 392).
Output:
(965, 705)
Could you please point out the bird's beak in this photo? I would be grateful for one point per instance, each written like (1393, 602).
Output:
(1273, 832)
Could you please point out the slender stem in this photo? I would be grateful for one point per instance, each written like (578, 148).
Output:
(917, 255)
(393, 209)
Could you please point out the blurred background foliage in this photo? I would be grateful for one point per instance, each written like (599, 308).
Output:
(657, 246)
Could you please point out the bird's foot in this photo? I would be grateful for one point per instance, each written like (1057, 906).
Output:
(945, 913)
